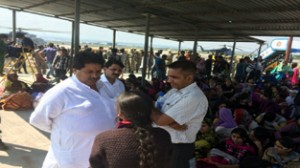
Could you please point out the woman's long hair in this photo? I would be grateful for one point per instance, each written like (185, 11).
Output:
(136, 107)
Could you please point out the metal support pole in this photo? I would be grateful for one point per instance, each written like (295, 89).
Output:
(150, 57)
(151, 42)
(145, 49)
(288, 50)
(72, 48)
(194, 51)
(114, 38)
(14, 25)
(259, 49)
(77, 26)
(179, 47)
(232, 54)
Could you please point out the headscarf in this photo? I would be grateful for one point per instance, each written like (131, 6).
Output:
(242, 116)
(225, 119)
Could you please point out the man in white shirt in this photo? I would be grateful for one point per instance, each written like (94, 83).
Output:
(112, 86)
(184, 105)
(74, 112)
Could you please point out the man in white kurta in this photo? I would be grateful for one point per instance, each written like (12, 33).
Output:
(112, 87)
(74, 112)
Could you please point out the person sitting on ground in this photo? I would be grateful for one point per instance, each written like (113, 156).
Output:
(243, 118)
(224, 123)
(16, 94)
(234, 149)
(271, 121)
(13, 85)
(206, 139)
(135, 143)
(291, 130)
(262, 138)
(282, 154)
(40, 84)
(39, 87)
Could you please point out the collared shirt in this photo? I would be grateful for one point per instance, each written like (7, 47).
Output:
(61, 62)
(186, 106)
(109, 90)
(74, 114)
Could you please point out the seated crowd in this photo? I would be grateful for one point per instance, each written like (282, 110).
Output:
(254, 123)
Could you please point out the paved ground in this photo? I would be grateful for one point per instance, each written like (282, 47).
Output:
(27, 146)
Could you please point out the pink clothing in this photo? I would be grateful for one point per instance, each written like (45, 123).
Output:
(295, 76)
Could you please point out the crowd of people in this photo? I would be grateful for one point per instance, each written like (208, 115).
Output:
(202, 117)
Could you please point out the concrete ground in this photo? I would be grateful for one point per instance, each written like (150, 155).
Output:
(27, 146)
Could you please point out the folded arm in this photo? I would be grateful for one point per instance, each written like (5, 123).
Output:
(162, 119)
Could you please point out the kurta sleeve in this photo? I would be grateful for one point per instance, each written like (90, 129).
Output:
(50, 106)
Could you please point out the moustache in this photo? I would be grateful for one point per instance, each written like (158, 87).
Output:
(94, 79)
(116, 74)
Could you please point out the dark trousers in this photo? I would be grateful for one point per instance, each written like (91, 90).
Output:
(60, 74)
(23, 63)
(181, 155)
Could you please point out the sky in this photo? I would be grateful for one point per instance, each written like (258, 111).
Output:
(90, 33)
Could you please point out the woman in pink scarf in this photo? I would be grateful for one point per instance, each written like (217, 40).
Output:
(295, 74)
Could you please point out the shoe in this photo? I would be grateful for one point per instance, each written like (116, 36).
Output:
(3, 147)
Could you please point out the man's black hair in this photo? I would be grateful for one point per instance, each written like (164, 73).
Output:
(110, 62)
(186, 66)
(83, 58)
(51, 45)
